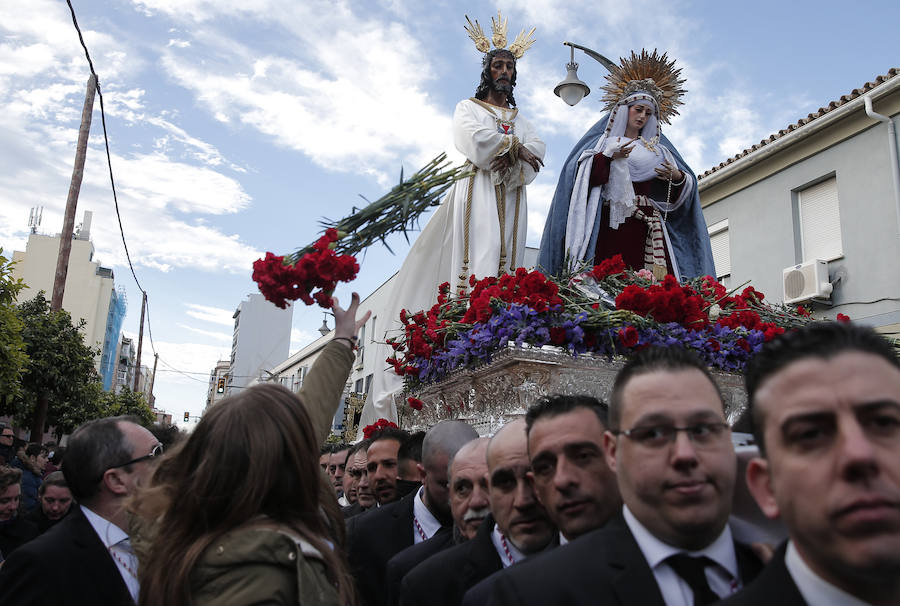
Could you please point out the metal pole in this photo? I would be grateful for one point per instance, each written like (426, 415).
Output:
(137, 365)
(65, 240)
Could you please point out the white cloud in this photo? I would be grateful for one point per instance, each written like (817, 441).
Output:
(215, 315)
(218, 336)
(340, 90)
(301, 338)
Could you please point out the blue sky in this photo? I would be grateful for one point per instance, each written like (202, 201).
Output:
(236, 125)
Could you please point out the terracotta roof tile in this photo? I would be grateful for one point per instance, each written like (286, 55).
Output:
(856, 92)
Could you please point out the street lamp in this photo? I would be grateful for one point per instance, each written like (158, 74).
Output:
(571, 89)
(324, 330)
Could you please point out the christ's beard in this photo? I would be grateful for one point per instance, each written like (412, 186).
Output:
(503, 86)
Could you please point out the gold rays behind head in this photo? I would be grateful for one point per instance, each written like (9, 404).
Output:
(648, 72)
(522, 42)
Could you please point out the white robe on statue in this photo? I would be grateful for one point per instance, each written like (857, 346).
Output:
(481, 132)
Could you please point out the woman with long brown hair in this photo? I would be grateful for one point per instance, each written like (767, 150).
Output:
(240, 513)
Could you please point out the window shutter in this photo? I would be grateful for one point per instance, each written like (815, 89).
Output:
(721, 248)
(820, 221)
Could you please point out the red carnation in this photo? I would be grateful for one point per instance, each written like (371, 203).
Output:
(628, 336)
(608, 267)
(843, 318)
(557, 335)
(414, 403)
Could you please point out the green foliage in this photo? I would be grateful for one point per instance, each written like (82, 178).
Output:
(55, 363)
(127, 402)
(13, 358)
(60, 367)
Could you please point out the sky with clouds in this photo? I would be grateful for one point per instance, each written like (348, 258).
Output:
(236, 125)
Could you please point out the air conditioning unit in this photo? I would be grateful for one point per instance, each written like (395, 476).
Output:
(806, 281)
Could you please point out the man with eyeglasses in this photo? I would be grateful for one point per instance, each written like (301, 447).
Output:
(670, 448)
(825, 404)
(106, 461)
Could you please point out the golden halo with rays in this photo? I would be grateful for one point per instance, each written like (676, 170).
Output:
(520, 44)
(649, 72)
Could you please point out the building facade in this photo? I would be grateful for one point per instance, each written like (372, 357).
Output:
(90, 292)
(218, 380)
(826, 188)
(262, 339)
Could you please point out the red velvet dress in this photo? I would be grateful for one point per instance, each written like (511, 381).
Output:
(630, 237)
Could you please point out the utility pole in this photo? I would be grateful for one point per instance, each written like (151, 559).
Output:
(65, 237)
(151, 399)
(137, 367)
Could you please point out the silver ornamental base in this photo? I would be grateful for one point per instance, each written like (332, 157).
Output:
(493, 394)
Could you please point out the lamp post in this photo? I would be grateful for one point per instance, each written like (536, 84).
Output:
(571, 89)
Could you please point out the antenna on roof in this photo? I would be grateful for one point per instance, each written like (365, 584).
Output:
(34, 218)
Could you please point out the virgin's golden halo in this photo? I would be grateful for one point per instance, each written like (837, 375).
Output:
(649, 72)
(522, 42)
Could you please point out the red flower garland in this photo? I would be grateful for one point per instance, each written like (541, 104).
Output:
(378, 425)
(321, 269)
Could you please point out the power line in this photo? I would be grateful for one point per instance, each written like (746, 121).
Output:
(112, 182)
(106, 142)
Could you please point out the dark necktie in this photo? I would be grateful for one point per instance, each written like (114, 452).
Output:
(692, 570)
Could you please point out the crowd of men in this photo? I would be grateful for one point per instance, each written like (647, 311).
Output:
(632, 502)
(579, 502)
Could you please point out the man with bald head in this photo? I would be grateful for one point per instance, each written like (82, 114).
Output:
(518, 528)
(469, 506)
(374, 538)
(87, 558)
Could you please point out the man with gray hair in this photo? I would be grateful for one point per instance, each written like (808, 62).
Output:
(469, 507)
(517, 529)
(107, 459)
(374, 538)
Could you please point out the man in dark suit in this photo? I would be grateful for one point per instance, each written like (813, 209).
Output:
(468, 504)
(383, 464)
(87, 558)
(518, 529)
(670, 448)
(568, 469)
(376, 536)
(359, 481)
(825, 404)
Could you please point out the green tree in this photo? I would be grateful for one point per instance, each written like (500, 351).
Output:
(13, 358)
(60, 368)
(127, 402)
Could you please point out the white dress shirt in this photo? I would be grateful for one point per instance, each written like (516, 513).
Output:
(508, 552)
(724, 578)
(424, 521)
(813, 588)
(118, 545)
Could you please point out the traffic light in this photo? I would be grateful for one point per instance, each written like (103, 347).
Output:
(187, 416)
(220, 386)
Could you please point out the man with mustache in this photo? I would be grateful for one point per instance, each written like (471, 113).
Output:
(670, 448)
(469, 506)
(825, 403)
(376, 537)
(518, 528)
